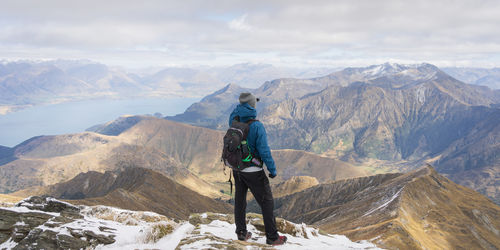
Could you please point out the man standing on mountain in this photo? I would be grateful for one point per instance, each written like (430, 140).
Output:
(254, 177)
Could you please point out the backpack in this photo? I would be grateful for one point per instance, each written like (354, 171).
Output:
(236, 152)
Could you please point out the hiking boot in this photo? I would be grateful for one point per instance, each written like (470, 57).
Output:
(244, 237)
(279, 241)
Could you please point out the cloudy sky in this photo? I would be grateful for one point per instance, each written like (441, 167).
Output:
(329, 33)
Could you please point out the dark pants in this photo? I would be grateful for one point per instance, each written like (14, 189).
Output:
(258, 184)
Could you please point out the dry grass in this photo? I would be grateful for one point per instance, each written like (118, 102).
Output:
(9, 200)
(125, 216)
(158, 231)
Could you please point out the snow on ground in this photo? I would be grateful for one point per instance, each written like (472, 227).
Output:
(314, 240)
(221, 233)
(27, 210)
(147, 230)
(9, 244)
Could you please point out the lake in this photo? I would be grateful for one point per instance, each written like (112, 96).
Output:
(74, 117)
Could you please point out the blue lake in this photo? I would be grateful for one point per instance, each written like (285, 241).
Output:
(74, 117)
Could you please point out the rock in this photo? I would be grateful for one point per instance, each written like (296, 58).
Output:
(68, 242)
(48, 204)
(24, 227)
(99, 238)
(206, 218)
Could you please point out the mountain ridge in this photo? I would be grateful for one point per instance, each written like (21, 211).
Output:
(403, 115)
(133, 188)
(189, 154)
(419, 209)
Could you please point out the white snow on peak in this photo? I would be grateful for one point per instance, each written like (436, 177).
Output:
(421, 71)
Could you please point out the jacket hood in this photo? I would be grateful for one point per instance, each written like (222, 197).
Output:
(245, 112)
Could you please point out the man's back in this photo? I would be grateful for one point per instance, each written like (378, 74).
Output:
(257, 136)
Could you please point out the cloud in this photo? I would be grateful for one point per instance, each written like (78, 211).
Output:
(315, 32)
(239, 24)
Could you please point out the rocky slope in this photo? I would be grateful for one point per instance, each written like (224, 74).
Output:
(46, 223)
(420, 209)
(293, 185)
(36, 223)
(403, 115)
(49, 160)
(137, 189)
(213, 110)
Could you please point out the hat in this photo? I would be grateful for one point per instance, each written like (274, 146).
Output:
(248, 98)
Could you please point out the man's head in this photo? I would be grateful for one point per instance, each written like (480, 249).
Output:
(248, 98)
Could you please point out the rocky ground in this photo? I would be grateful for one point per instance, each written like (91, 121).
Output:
(46, 223)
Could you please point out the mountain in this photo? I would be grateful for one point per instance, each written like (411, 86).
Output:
(6, 155)
(293, 185)
(477, 76)
(213, 110)
(389, 116)
(47, 160)
(190, 155)
(132, 188)
(47, 223)
(398, 116)
(117, 126)
(24, 83)
(27, 83)
(419, 209)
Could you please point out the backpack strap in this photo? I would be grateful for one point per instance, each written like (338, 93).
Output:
(230, 182)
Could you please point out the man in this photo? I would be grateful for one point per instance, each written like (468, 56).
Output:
(254, 177)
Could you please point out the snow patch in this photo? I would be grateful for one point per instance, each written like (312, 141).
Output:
(20, 223)
(24, 209)
(420, 94)
(10, 244)
(385, 204)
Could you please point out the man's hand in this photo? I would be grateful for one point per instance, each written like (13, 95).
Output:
(272, 175)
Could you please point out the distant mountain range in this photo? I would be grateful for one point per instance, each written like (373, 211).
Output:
(27, 83)
(476, 76)
(398, 115)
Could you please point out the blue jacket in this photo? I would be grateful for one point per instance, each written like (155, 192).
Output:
(257, 137)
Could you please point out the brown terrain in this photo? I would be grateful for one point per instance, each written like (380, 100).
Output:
(8, 200)
(293, 185)
(189, 155)
(419, 209)
(403, 115)
(137, 189)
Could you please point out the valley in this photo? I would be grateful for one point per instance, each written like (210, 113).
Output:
(377, 153)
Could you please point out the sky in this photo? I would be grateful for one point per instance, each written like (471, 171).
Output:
(329, 33)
